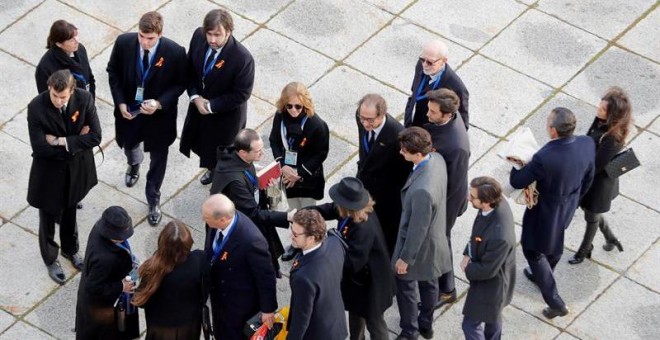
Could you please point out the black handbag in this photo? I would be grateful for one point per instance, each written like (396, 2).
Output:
(622, 163)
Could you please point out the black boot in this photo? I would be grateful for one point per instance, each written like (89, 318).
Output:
(580, 255)
(611, 240)
(590, 232)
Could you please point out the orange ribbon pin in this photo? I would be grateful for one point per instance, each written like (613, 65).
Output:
(224, 257)
(74, 118)
(160, 62)
(219, 64)
(478, 239)
(296, 264)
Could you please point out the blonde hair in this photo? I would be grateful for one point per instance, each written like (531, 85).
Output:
(358, 216)
(299, 90)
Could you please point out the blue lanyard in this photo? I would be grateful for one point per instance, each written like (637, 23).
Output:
(421, 164)
(343, 223)
(80, 77)
(250, 177)
(418, 95)
(207, 69)
(144, 72)
(218, 249)
(284, 134)
(127, 247)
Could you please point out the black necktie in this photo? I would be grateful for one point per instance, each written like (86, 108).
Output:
(209, 60)
(145, 61)
(372, 138)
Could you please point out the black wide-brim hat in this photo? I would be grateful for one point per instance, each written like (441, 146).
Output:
(349, 193)
(115, 224)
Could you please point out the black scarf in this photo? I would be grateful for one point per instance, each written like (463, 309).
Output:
(71, 63)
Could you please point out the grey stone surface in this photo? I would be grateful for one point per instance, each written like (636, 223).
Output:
(518, 324)
(259, 113)
(544, 47)
(98, 64)
(635, 185)
(11, 11)
(15, 156)
(504, 96)
(392, 6)
(470, 23)
(57, 315)
(22, 331)
(655, 127)
(641, 38)
(565, 336)
(186, 205)
(17, 97)
(638, 76)
(629, 222)
(334, 28)
(480, 143)
(626, 310)
(34, 27)
(5, 320)
(258, 11)
(337, 94)
(646, 270)
(123, 15)
(392, 54)
(606, 19)
(280, 60)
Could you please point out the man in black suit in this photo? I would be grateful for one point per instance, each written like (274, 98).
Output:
(222, 74)
(147, 73)
(316, 308)
(63, 128)
(431, 73)
(381, 168)
(489, 261)
(450, 139)
(563, 170)
(242, 276)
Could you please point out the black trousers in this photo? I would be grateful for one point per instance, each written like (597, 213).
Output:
(414, 318)
(542, 266)
(446, 281)
(156, 173)
(68, 234)
(477, 330)
(376, 325)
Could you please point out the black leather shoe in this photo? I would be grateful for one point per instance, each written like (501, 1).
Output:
(609, 246)
(443, 300)
(289, 253)
(206, 178)
(154, 214)
(551, 313)
(55, 272)
(579, 256)
(75, 259)
(402, 337)
(426, 333)
(79, 205)
(132, 175)
(529, 275)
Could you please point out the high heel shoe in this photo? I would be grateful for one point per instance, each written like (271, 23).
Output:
(579, 257)
(611, 244)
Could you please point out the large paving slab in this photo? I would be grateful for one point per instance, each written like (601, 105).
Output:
(480, 143)
(646, 270)
(400, 43)
(15, 165)
(336, 96)
(34, 27)
(486, 18)
(279, 61)
(635, 185)
(22, 331)
(57, 315)
(625, 311)
(616, 67)
(393, 6)
(334, 28)
(606, 19)
(123, 15)
(642, 38)
(544, 47)
(5, 320)
(655, 128)
(16, 97)
(258, 11)
(500, 96)
(10, 11)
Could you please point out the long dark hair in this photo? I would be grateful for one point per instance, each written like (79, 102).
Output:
(174, 245)
(619, 113)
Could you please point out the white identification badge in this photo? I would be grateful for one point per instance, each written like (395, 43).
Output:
(139, 94)
(256, 196)
(291, 158)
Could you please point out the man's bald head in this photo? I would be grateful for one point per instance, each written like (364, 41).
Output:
(218, 210)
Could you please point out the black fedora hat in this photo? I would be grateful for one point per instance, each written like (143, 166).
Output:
(115, 224)
(349, 193)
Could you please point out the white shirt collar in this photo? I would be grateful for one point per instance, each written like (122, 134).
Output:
(152, 50)
(486, 213)
(380, 128)
(305, 252)
(231, 225)
(435, 76)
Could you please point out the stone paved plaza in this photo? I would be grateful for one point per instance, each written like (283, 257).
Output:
(519, 59)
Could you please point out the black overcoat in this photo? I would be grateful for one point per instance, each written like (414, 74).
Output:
(227, 86)
(100, 286)
(55, 59)
(492, 268)
(313, 147)
(563, 170)
(242, 278)
(449, 80)
(367, 284)
(383, 171)
(604, 188)
(61, 178)
(165, 82)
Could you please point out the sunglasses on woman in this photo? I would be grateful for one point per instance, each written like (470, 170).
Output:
(292, 106)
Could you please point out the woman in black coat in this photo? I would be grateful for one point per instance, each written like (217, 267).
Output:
(367, 284)
(171, 286)
(300, 141)
(104, 310)
(609, 131)
(65, 52)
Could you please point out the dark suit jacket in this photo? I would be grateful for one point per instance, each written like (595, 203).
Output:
(316, 309)
(61, 178)
(383, 171)
(55, 59)
(563, 170)
(311, 155)
(242, 278)
(492, 270)
(451, 141)
(449, 80)
(228, 87)
(165, 83)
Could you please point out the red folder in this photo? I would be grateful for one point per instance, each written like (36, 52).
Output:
(272, 170)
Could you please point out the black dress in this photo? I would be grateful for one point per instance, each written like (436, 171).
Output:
(174, 311)
(56, 59)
